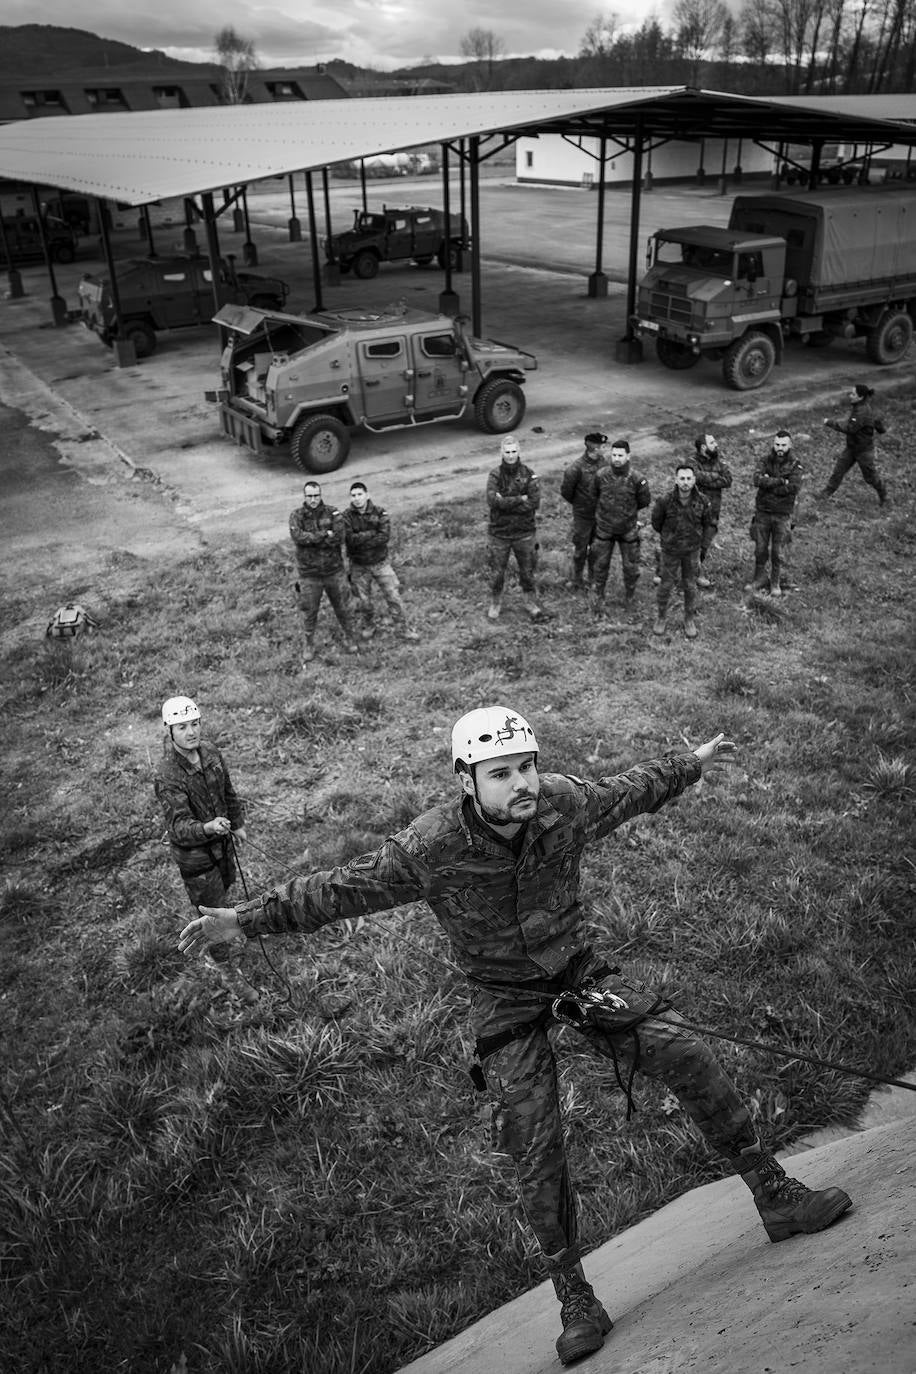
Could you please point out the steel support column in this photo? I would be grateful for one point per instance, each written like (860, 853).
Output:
(474, 170)
(125, 354)
(597, 282)
(293, 224)
(313, 242)
(629, 348)
(58, 304)
(448, 297)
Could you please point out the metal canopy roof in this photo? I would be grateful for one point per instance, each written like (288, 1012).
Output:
(153, 155)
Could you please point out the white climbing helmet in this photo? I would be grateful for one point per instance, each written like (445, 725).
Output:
(488, 732)
(178, 711)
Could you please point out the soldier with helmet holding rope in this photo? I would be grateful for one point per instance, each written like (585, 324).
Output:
(500, 869)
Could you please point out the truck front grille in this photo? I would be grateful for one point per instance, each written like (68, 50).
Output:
(664, 305)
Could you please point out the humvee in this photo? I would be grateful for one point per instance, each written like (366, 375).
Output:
(310, 379)
(397, 233)
(169, 293)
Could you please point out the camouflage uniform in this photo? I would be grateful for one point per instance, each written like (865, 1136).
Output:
(512, 524)
(190, 796)
(517, 929)
(713, 477)
(367, 533)
(686, 531)
(320, 563)
(580, 488)
(860, 430)
(621, 496)
(778, 479)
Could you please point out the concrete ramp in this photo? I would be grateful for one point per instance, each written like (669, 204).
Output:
(698, 1286)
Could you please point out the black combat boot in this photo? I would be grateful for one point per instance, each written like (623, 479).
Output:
(585, 1322)
(786, 1206)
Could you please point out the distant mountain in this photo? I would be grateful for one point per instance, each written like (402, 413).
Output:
(35, 49)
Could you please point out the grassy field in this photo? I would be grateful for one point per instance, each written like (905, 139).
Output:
(311, 1189)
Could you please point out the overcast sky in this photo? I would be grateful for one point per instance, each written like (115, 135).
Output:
(378, 33)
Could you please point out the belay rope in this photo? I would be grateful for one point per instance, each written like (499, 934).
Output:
(587, 999)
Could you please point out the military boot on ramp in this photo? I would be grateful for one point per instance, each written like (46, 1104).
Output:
(585, 1322)
(786, 1206)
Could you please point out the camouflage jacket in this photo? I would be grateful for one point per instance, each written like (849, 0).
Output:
(189, 797)
(683, 525)
(508, 918)
(778, 479)
(317, 555)
(367, 533)
(713, 477)
(860, 429)
(511, 516)
(580, 485)
(621, 496)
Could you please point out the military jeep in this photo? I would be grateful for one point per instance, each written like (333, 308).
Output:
(169, 293)
(310, 379)
(397, 233)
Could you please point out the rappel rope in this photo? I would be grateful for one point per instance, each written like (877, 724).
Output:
(761, 1045)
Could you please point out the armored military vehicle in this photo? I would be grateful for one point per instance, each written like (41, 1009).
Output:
(397, 233)
(169, 293)
(310, 379)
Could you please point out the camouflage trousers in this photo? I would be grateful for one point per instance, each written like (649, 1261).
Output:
(602, 548)
(675, 566)
(521, 1079)
(383, 575)
(867, 466)
(583, 533)
(211, 888)
(525, 548)
(772, 542)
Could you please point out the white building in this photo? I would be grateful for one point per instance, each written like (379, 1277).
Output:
(558, 161)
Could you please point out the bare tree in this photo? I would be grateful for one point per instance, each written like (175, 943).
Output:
(600, 36)
(698, 24)
(756, 32)
(237, 57)
(729, 39)
(483, 46)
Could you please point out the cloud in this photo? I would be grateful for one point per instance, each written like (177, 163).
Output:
(377, 33)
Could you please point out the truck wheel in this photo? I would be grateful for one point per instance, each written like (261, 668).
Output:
(890, 338)
(142, 336)
(424, 261)
(453, 259)
(63, 252)
(675, 355)
(499, 406)
(319, 443)
(749, 361)
(365, 265)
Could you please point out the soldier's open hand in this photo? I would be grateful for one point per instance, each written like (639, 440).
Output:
(716, 750)
(214, 926)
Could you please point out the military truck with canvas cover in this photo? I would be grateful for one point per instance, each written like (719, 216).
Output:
(169, 293)
(308, 380)
(815, 266)
(397, 233)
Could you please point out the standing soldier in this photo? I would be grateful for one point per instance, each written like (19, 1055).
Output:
(317, 532)
(682, 520)
(622, 494)
(513, 496)
(580, 488)
(713, 477)
(205, 821)
(499, 866)
(860, 430)
(778, 479)
(367, 531)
